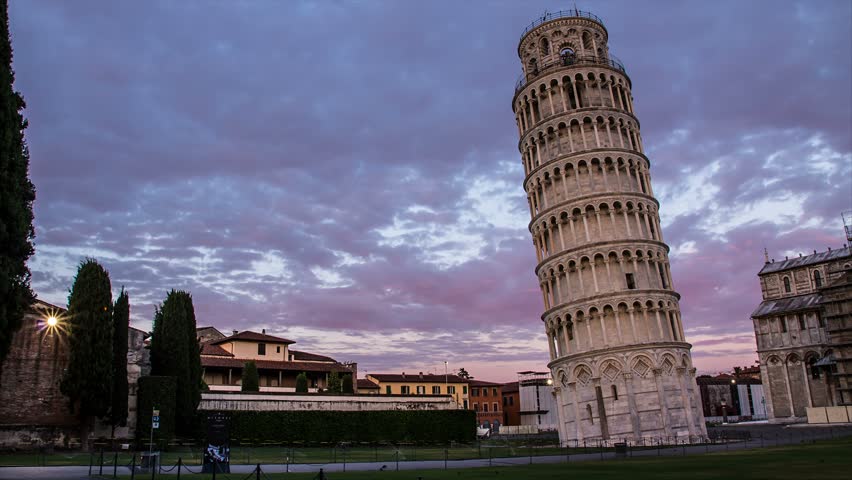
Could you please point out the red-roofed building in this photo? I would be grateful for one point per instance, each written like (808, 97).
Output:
(222, 361)
(423, 384)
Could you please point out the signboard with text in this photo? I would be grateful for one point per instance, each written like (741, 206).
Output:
(217, 453)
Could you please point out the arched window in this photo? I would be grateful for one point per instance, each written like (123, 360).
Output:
(567, 55)
(787, 288)
(814, 368)
(817, 279)
(545, 47)
(614, 392)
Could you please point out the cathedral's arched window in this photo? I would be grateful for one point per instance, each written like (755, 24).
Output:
(787, 287)
(545, 47)
(817, 279)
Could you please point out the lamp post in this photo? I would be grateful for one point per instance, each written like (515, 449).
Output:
(446, 383)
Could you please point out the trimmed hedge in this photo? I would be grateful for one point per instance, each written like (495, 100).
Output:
(159, 392)
(429, 426)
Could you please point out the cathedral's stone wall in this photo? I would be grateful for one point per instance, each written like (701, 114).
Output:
(615, 334)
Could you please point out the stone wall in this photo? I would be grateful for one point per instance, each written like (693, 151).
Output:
(284, 402)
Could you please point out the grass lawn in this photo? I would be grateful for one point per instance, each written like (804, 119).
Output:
(821, 460)
(252, 455)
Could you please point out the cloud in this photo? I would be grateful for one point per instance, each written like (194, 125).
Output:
(348, 175)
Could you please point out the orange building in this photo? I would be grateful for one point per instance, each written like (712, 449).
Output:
(486, 401)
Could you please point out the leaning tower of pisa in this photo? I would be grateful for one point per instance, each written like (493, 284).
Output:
(619, 358)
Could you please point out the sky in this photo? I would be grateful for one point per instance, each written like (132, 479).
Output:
(346, 173)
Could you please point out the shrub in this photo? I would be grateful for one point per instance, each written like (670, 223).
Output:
(302, 383)
(251, 380)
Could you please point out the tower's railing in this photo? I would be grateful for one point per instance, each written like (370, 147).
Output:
(561, 14)
(565, 61)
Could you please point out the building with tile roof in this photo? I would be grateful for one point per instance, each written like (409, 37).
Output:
(423, 384)
(486, 399)
(222, 361)
(796, 352)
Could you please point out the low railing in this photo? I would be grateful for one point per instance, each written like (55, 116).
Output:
(561, 14)
(565, 61)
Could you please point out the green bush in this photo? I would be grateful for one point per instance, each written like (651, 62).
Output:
(348, 387)
(251, 380)
(430, 426)
(302, 383)
(156, 392)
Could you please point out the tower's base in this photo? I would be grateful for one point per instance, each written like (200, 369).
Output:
(639, 394)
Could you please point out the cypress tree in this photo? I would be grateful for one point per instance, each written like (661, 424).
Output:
(89, 376)
(302, 383)
(175, 352)
(16, 198)
(334, 385)
(251, 379)
(121, 323)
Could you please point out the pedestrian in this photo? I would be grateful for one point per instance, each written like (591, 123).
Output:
(321, 475)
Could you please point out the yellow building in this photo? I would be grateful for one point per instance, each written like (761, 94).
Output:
(422, 384)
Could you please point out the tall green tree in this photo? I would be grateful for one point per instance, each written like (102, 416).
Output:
(251, 379)
(121, 324)
(175, 352)
(16, 198)
(88, 379)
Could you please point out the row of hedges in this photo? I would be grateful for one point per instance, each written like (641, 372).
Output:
(429, 426)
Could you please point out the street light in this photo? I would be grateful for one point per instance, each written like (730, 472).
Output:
(52, 321)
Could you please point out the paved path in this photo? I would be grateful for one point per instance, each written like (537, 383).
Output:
(761, 436)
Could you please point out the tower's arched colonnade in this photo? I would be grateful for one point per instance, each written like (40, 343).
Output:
(618, 352)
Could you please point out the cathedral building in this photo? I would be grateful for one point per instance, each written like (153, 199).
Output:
(621, 365)
(802, 328)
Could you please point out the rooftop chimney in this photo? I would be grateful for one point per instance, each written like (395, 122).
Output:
(263, 331)
(236, 332)
(421, 374)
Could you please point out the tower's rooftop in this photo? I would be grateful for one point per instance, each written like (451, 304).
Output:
(548, 16)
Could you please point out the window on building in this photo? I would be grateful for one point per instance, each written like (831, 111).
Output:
(278, 349)
(485, 392)
(465, 405)
(494, 391)
(388, 389)
(505, 401)
(436, 390)
(421, 390)
(614, 392)
(464, 389)
(261, 349)
(474, 392)
(817, 279)
(801, 319)
(484, 407)
(589, 413)
(631, 282)
(511, 400)
(451, 389)
(495, 407)
(787, 287)
(475, 406)
(783, 321)
(405, 390)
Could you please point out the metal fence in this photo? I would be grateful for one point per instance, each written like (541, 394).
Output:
(255, 461)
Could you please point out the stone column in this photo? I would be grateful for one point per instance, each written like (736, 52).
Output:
(631, 405)
(661, 395)
(686, 399)
(577, 422)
